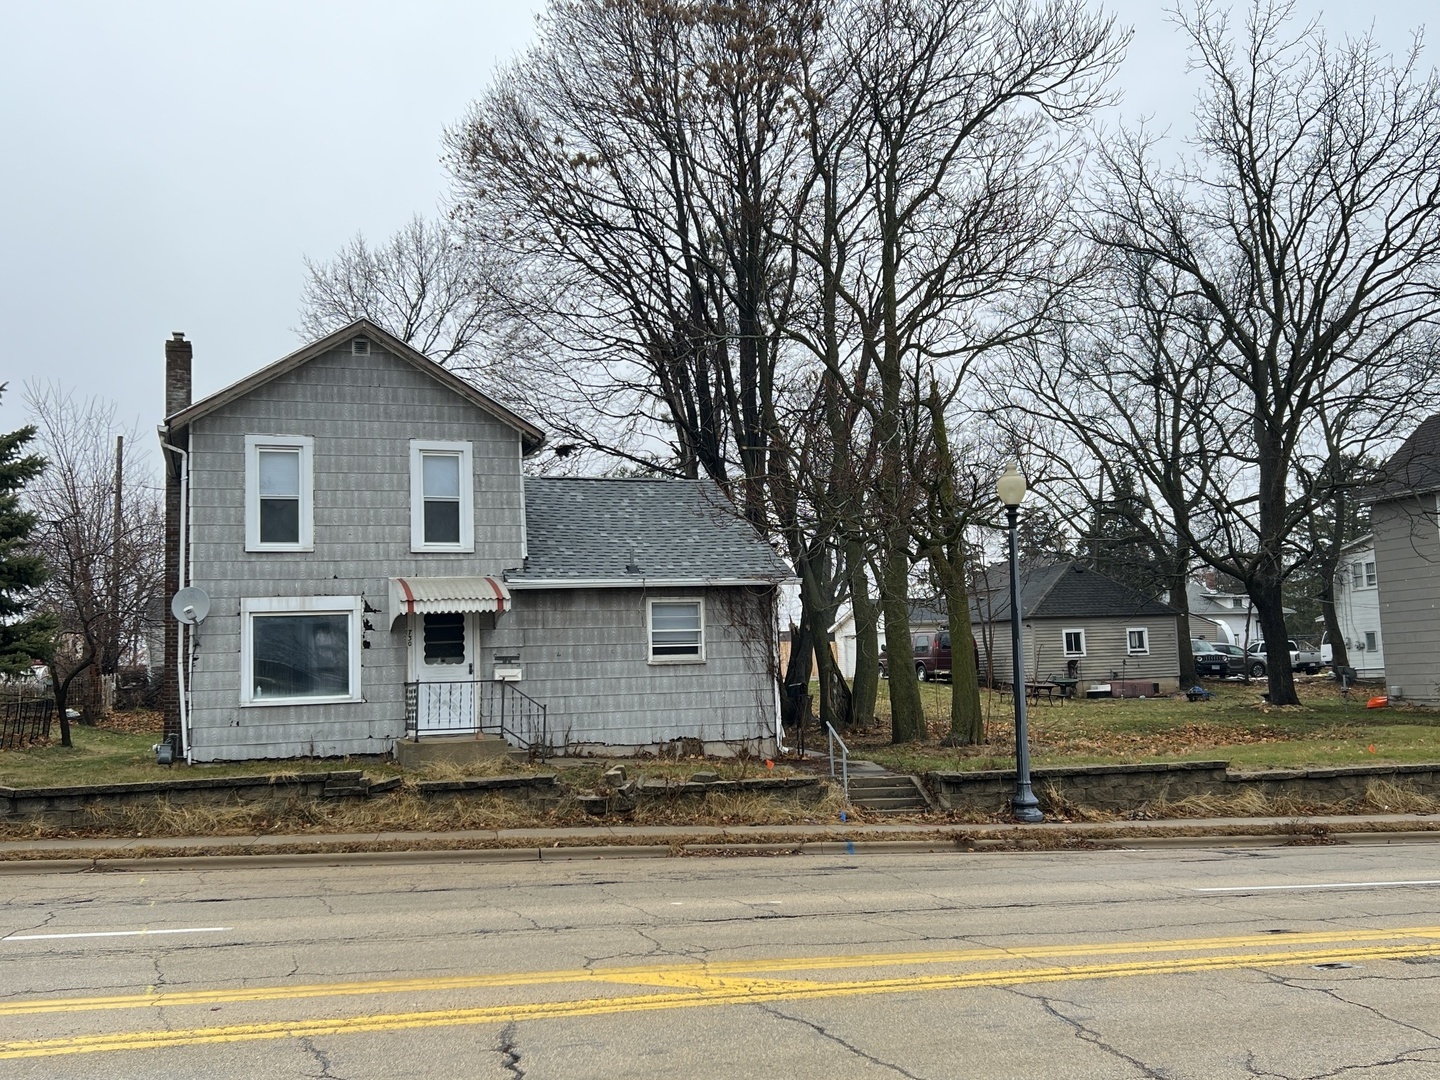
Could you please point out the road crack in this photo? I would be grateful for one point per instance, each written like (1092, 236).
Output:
(851, 1047)
(509, 1052)
(1088, 1035)
(321, 1058)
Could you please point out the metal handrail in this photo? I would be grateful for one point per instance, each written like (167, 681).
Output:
(833, 737)
(490, 706)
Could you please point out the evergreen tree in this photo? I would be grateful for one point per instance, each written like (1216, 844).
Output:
(1119, 542)
(24, 636)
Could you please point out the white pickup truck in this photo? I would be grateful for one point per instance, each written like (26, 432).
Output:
(1303, 657)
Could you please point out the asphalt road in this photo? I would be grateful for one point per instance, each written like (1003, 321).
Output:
(1297, 962)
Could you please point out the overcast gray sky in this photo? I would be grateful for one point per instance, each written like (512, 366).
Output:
(167, 166)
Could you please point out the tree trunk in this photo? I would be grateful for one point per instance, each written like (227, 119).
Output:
(795, 693)
(1339, 654)
(907, 714)
(967, 720)
(1180, 598)
(1271, 612)
(866, 686)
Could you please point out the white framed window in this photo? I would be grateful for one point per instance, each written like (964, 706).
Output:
(279, 493)
(677, 630)
(299, 650)
(1074, 641)
(442, 496)
(1371, 641)
(1357, 575)
(1137, 641)
(1370, 577)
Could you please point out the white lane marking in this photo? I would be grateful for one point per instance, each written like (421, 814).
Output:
(118, 933)
(1335, 885)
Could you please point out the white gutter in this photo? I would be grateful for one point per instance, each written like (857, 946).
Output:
(182, 575)
(637, 582)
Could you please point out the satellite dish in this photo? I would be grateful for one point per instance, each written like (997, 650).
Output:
(190, 605)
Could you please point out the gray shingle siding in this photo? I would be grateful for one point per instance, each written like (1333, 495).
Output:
(585, 654)
(1407, 560)
(362, 412)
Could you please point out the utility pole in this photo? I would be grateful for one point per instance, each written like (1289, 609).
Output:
(110, 662)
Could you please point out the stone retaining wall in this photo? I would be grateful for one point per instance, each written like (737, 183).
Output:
(1131, 787)
(78, 806)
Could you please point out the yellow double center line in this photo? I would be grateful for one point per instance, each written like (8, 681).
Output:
(681, 986)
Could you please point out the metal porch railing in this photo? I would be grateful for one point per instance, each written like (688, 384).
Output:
(485, 706)
(834, 737)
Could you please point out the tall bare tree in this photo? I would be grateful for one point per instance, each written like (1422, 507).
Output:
(1304, 230)
(431, 284)
(101, 584)
(950, 187)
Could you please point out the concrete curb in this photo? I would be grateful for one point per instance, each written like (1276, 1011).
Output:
(216, 853)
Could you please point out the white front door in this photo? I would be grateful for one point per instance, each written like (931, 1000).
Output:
(443, 655)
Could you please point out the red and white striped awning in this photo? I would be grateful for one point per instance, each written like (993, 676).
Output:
(429, 595)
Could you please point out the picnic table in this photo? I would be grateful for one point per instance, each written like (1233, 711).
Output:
(1036, 691)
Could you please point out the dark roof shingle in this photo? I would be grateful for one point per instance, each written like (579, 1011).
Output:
(582, 528)
(1065, 590)
(1414, 469)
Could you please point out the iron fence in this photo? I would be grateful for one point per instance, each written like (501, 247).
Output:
(24, 722)
(466, 707)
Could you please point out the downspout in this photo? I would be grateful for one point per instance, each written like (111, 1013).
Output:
(182, 576)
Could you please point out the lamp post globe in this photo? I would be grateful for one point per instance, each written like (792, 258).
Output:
(1023, 806)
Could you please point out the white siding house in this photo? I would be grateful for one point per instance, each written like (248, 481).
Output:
(1357, 609)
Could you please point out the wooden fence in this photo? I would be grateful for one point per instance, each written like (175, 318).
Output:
(24, 722)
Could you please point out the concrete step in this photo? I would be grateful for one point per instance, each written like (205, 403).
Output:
(912, 803)
(455, 749)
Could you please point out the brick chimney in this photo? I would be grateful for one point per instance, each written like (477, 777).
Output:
(177, 373)
(178, 355)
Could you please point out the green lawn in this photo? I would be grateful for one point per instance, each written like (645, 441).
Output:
(1236, 727)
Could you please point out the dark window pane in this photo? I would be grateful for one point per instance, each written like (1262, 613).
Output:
(279, 521)
(444, 635)
(442, 521)
(300, 656)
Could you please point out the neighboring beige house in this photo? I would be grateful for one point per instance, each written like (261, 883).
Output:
(1081, 624)
(1405, 526)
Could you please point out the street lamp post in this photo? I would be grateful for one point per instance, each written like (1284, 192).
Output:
(1024, 806)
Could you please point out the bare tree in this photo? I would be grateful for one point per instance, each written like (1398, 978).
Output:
(103, 583)
(1304, 233)
(433, 285)
(949, 188)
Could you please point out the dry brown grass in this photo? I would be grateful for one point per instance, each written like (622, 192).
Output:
(1381, 797)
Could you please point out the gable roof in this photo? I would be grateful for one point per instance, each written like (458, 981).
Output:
(607, 531)
(1066, 590)
(531, 435)
(1414, 469)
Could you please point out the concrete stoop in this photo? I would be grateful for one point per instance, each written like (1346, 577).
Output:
(457, 750)
(887, 793)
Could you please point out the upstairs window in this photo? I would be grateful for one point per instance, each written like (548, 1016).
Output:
(1370, 577)
(442, 487)
(1137, 641)
(279, 493)
(1074, 642)
(677, 631)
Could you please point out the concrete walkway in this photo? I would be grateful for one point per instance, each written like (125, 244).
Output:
(613, 841)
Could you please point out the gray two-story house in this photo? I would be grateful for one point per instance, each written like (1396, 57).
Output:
(377, 566)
